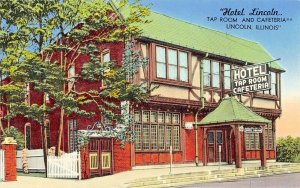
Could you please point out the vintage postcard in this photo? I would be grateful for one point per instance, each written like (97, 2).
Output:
(149, 93)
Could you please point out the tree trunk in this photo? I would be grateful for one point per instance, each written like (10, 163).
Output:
(1, 126)
(45, 146)
(60, 130)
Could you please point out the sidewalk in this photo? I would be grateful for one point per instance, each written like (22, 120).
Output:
(118, 180)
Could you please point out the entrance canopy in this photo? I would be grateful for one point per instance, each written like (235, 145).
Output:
(232, 111)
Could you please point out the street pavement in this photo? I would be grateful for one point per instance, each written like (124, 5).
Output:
(119, 180)
(276, 181)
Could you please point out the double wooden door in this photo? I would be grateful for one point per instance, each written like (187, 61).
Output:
(100, 156)
(216, 146)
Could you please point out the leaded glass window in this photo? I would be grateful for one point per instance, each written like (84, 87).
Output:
(146, 137)
(73, 135)
(157, 130)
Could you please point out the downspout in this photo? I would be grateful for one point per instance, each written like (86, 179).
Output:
(201, 107)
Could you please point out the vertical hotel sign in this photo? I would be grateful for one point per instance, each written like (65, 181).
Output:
(251, 79)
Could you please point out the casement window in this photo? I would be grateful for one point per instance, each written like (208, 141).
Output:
(161, 62)
(183, 67)
(27, 132)
(211, 70)
(73, 135)
(171, 64)
(269, 140)
(207, 73)
(227, 76)
(273, 84)
(106, 56)
(252, 141)
(215, 74)
(157, 131)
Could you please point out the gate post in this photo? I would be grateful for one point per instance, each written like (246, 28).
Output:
(85, 162)
(9, 147)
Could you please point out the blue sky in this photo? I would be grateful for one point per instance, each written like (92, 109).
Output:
(283, 43)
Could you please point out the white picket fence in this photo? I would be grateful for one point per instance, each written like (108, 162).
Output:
(65, 166)
(2, 166)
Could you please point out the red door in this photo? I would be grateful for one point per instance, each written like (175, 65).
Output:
(215, 144)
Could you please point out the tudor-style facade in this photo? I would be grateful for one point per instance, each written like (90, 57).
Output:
(178, 99)
(175, 50)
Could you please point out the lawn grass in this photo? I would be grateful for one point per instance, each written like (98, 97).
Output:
(33, 174)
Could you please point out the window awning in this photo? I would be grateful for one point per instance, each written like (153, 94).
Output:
(230, 110)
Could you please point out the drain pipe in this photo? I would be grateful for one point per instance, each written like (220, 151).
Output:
(201, 107)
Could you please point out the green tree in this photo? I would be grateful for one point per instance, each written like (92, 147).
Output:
(288, 149)
(16, 134)
(41, 42)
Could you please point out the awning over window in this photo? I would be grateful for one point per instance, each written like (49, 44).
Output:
(230, 110)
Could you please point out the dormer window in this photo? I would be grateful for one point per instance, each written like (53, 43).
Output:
(171, 64)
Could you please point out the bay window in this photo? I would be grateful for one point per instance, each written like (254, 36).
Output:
(157, 131)
(171, 64)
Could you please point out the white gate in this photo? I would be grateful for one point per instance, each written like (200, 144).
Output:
(65, 166)
(2, 162)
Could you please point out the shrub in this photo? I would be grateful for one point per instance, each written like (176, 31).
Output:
(17, 135)
(288, 149)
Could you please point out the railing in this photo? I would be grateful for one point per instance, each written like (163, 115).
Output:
(65, 166)
(2, 166)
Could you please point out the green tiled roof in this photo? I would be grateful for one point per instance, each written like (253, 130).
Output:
(231, 110)
(177, 32)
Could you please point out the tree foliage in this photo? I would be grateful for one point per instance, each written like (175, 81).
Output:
(288, 149)
(42, 40)
(16, 134)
